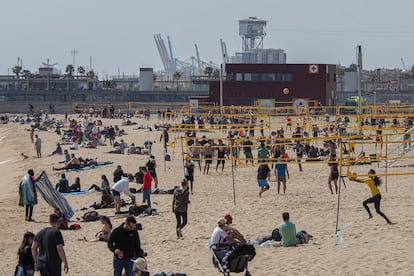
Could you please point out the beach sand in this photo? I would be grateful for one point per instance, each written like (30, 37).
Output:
(368, 247)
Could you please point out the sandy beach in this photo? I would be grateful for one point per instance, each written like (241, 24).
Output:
(367, 247)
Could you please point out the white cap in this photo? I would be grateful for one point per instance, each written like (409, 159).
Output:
(141, 265)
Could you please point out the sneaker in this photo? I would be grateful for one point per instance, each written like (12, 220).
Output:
(179, 233)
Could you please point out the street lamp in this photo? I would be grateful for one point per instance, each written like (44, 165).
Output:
(74, 53)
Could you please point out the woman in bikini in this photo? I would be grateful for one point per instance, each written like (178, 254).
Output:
(105, 232)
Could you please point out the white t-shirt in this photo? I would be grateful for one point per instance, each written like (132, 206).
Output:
(218, 236)
(122, 186)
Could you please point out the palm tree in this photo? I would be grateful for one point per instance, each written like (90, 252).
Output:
(81, 70)
(16, 70)
(69, 74)
(208, 70)
(26, 74)
(91, 74)
(177, 76)
(69, 70)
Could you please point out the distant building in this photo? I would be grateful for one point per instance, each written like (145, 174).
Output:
(287, 83)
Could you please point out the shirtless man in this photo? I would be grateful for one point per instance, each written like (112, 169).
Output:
(208, 155)
(195, 151)
(74, 163)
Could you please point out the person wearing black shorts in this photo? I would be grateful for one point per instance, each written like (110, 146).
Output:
(151, 165)
(334, 173)
(221, 155)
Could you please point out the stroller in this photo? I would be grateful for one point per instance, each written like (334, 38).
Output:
(232, 258)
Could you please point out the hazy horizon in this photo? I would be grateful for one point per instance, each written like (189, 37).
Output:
(119, 35)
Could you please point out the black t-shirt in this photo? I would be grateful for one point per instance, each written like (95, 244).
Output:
(263, 171)
(26, 258)
(47, 239)
(150, 166)
(247, 146)
(127, 241)
(118, 174)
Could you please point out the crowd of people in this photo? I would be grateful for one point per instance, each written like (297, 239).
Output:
(36, 250)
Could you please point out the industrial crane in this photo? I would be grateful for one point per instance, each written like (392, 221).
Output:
(403, 64)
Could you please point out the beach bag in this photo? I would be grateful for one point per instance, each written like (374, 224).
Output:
(75, 226)
(167, 157)
(137, 210)
(90, 216)
(276, 235)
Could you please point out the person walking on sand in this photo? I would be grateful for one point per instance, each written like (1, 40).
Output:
(180, 203)
(48, 250)
(189, 171)
(373, 183)
(125, 243)
(38, 146)
(26, 262)
(28, 196)
(334, 173)
(146, 187)
(281, 170)
(263, 173)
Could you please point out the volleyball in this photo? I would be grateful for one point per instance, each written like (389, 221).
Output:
(285, 91)
(352, 176)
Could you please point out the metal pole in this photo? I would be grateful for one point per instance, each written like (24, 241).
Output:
(221, 88)
(359, 71)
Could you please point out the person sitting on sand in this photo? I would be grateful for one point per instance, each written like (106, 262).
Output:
(104, 185)
(104, 233)
(224, 234)
(133, 149)
(58, 150)
(63, 184)
(74, 163)
(92, 144)
(219, 235)
(75, 187)
(288, 232)
(234, 235)
(140, 267)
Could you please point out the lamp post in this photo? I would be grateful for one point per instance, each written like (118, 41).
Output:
(74, 53)
(221, 88)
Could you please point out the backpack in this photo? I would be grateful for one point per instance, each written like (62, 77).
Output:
(90, 216)
(276, 235)
(139, 177)
(137, 210)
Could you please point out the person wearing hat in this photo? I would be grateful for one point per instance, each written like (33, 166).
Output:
(140, 267)
(219, 235)
(234, 235)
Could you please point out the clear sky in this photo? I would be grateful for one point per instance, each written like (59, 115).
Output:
(118, 34)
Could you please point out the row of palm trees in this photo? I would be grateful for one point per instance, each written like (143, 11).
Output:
(69, 72)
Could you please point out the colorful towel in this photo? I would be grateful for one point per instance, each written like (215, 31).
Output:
(81, 192)
(99, 164)
(53, 197)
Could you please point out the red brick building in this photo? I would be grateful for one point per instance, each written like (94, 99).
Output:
(246, 83)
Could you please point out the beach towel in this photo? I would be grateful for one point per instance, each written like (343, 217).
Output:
(81, 192)
(98, 165)
(53, 197)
